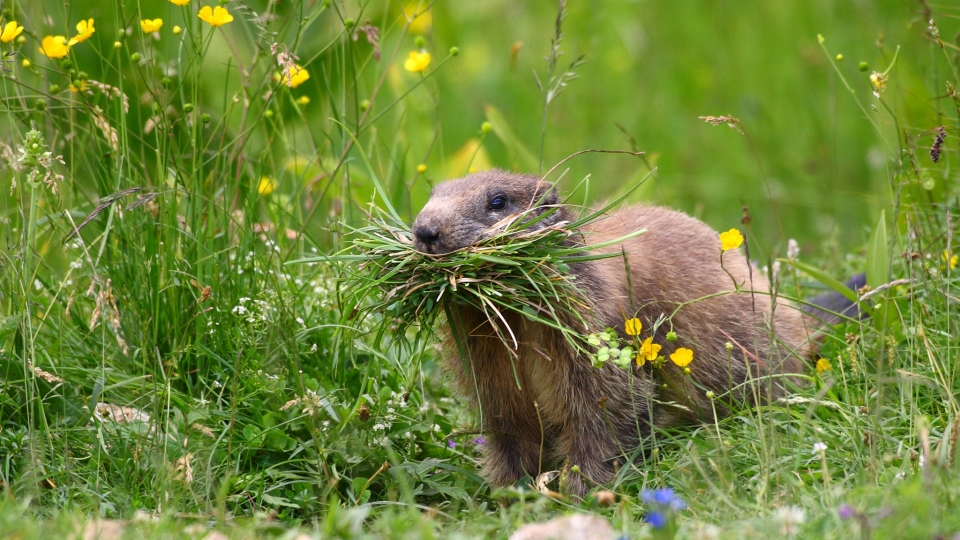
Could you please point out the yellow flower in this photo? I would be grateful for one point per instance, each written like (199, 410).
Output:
(423, 22)
(682, 356)
(952, 261)
(879, 81)
(81, 86)
(730, 239)
(823, 365)
(26, 63)
(179, 2)
(633, 326)
(421, 168)
(10, 32)
(648, 351)
(297, 76)
(54, 47)
(217, 16)
(417, 61)
(149, 26)
(177, 30)
(85, 29)
(266, 185)
(304, 100)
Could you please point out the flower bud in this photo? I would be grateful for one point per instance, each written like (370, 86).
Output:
(454, 51)
(349, 23)
(728, 346)
(365, 104)
(117, 45)
(863, 66)
(486, 127)
(188, 108)
(420, 42)
(177, 30)
(135, 57)
(671, 336)
(54, 88)
(205, 118)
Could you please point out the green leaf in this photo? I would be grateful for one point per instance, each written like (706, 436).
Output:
(824, 278)
(878, 254)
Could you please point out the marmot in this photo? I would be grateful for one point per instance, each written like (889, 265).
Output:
(565, 411)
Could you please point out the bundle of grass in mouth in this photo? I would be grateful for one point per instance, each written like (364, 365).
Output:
(521, 265)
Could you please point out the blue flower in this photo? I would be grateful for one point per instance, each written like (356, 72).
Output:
(664, 497)
(480, 440)
(657, 520)
(451, 443)
(846, 511)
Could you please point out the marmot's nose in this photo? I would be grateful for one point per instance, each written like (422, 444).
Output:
(426, 235)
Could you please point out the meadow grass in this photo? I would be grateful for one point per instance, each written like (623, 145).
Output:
(164, 367)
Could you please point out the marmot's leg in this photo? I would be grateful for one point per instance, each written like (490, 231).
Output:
(509, 453)
(601, 422)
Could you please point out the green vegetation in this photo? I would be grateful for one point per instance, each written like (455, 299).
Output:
(162, 364)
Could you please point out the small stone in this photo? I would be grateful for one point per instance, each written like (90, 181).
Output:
(575, 527)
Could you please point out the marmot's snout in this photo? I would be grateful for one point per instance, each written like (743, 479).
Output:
(426, 238)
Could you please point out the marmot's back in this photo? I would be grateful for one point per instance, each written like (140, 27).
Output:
(678, 260)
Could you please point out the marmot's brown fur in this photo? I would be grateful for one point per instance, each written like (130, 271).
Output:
(567, 411)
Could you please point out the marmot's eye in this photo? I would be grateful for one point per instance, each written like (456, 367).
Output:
(498, 202)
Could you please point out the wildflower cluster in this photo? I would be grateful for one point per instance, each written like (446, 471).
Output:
(609, 347)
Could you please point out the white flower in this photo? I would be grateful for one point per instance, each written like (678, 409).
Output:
(819, 447)
(299, 320)
(76, 265)
(921, 461)
(37, 284)
(899, 476)
(793, 249)
(789, 517)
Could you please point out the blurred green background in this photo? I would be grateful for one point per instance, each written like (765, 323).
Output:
(816, 169)
(655, 67)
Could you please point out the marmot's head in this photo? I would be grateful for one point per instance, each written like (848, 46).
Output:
(460, 211)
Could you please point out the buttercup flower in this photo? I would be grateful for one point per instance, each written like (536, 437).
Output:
(266, 185)
(179, 2)
(730, 239)
(823, 365)
(952, 260)
(682, 356)
(648, 351)
(417, 61)
(54, 47)
(177, 30)
(304, 100)
(149, 26)
(85, 29)
(81, 86)
(633, 327)
(217, 16)
(10, 31)
(297, 76)
(421, 168)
